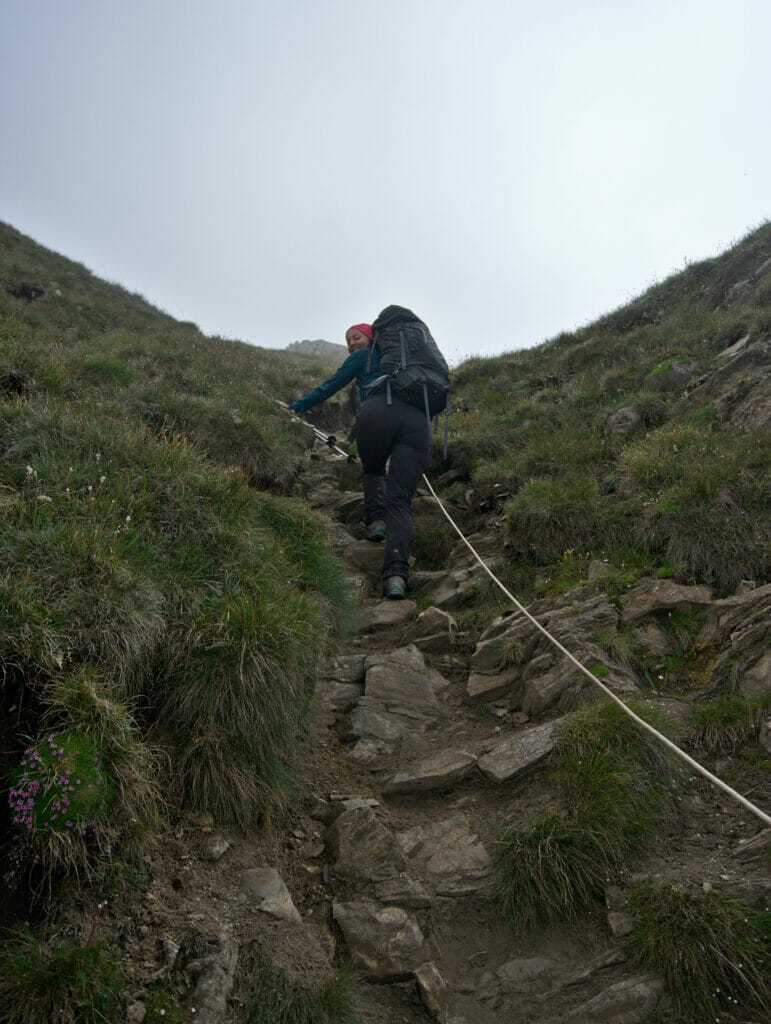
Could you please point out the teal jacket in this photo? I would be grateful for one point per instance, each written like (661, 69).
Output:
(354, 367)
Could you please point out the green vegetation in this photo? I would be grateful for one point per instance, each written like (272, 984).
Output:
(712, 951)
(687, 488)
(729, 721)
(67, 983)
(432, 546)
(163, 602)
(277, 999)
(614, 781)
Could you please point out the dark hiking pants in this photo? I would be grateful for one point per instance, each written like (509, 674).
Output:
(398, 432)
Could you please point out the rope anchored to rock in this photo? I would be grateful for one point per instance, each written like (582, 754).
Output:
(748, 805)
(765, 818)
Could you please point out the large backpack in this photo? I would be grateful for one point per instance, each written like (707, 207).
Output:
(412, 367)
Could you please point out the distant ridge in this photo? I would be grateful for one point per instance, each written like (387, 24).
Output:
(325, 349)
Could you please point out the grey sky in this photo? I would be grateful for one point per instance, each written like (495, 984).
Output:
(279, 169)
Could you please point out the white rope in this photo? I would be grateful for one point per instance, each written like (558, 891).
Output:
(641, 722)
(765, 818)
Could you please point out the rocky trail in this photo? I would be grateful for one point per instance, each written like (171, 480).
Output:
(424, 743)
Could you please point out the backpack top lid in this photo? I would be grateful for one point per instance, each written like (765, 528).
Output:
(391, 314)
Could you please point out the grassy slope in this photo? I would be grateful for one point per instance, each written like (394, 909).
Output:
(685, 494)
(158, 583)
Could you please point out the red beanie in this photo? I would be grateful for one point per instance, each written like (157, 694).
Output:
(364, 328)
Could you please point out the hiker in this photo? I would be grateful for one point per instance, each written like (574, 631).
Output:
(357, 366)
(389, 431)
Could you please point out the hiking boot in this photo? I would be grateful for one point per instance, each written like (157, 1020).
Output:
(394, 588)
(376, 530)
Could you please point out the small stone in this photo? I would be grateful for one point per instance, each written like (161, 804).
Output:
(620, 924)
(215, 848)
(319, 809)
(597, 570)
(267, 886)
(432, 988)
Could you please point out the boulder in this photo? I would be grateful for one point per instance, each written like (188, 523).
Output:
(363, 848)
(402, 891)
(764, 736)
(400, 702)
(348, 668)
(402, 675)
(457, 588)
(385, 943)
(433, 989)
(366, 556)
(524, 665)
(738, 627)
(214, 978)
(675, 378)
(482, 687)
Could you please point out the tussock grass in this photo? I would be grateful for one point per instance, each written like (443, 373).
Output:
(550, 516)
(432, 546)
(278, 999)
(712, 951)
(615, 781)
(83, 699)
(66, 983)
(728, 722)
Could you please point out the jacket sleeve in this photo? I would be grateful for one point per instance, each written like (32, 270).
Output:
(354, 365)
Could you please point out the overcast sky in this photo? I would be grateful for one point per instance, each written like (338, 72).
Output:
(279, 169)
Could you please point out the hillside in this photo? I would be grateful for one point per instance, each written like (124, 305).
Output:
(203, 693)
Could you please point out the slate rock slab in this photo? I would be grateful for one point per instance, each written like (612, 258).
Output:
(430, 623)
(662, 595)
(629, 1002)
(385, 614)
(348, 668)
(402, 891)
(439, 772)
(405, 664)
(433, 990)
(457, 588)
(519, 753)
(485, 687)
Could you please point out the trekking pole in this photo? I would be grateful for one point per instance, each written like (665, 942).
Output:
(328, 439)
